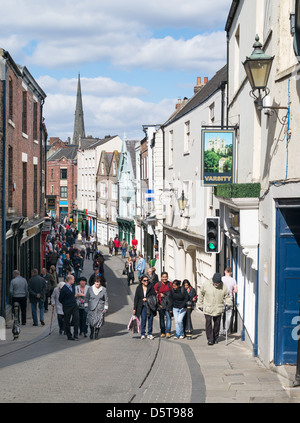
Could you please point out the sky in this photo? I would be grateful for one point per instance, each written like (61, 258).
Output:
(135, 57)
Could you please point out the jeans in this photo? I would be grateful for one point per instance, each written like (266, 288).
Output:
(179, 314)
(164, 328)
(71, 314)
(144, 319)
(82, 321)
(124, 252)
(41, 304)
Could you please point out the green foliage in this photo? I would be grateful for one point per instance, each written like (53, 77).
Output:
(238, 190)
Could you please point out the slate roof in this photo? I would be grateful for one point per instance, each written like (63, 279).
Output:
(86, 143)
(69, 152)
(201, 96)
(130, 145)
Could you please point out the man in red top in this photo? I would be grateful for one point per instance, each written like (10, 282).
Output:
(117, 245)
(163, 290)
(134, 243)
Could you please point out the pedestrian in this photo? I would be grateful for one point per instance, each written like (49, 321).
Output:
(111, 246)
(70, 308)
(96, 274)
(129, 270)
(49, 286)
(163, 289)
(58, 307)
(117, 244)
(59, 266)
(96, 301)
(145, 306)
(141, 266)
(88, 248)
(213, 295)
(37, 293)
(133, 256)
(53, 279)
(231, 284)
(77, 265)
(192, 298)
(153, 278)
(134, 243)
(19, 293)
(124, 247)
(178, 299)
(80, 294)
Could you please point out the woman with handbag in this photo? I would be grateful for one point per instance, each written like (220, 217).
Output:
(145, 306)
(96, 301)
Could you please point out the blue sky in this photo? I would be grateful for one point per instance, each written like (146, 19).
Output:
(135, 57)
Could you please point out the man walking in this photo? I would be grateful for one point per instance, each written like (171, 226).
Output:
(19, 293)
(163, 289)
(213, 296)
(124, 247)
(37, 292)
(70, 307)
(141, 266)
(230, 282)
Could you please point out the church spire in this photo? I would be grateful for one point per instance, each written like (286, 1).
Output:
(79, 122)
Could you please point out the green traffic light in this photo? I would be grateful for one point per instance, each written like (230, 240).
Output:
(211, 246)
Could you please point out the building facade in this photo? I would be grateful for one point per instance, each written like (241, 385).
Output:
(264, 240)
(23, 154)
(107, 196)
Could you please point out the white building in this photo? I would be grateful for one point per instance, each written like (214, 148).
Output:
(262, 230)
(182, 235)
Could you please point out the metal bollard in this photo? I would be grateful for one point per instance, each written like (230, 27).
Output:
(297, 377)
(189, 327)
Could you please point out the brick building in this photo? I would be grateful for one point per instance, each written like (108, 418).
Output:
(62, 181)
(22, 172)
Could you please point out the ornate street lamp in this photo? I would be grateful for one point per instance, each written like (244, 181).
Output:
(258, 68)
(182, 202)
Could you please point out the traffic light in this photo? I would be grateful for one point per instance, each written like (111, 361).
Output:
(212, 235)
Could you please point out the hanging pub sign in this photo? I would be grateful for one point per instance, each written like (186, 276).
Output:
(218, 148)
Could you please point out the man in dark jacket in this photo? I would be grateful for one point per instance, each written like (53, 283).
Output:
(70, 308)
(37, 290)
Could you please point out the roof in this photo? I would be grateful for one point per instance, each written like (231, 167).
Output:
(86, 143)
(201, 96)
(69, 152)
(130, 145)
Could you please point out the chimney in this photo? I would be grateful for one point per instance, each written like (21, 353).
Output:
(205, 80)
(198, 87)
(178, 104)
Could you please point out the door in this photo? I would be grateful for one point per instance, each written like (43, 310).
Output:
(287, 289)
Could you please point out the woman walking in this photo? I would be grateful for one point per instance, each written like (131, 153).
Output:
(96, 301)
(192, 298)
(130, 271)
(58, 307)
(80, 294)
(178, 297)
(145, 306)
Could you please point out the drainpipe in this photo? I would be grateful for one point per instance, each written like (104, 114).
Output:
(3, 288)
(41, 160)
(255, 345)
(244, 302)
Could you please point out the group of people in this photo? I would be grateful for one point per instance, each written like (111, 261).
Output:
(172, 299)
(78, 302)
(115, 244)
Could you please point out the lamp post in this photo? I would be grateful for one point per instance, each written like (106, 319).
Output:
(258, 68)
(182, 202)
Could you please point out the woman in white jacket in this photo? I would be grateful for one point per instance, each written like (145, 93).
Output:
(58, 307)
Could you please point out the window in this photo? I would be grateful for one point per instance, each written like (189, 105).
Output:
(51, 173)
(10, 99)
(114, 168)
(102, 168)
(24, 113)
(35, 189)
(187, 137)
(10, 177)
(102, 211)
(64, 192)
(297, 30)
(102, 189)
(114, 195)
(63, 173)
(24, 190)
(171, 148)
(35, 121)
(212, 113)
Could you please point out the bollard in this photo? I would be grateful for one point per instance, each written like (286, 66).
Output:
(189, 327)
(297, 377)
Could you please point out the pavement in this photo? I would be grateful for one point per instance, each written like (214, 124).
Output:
(228, 370)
